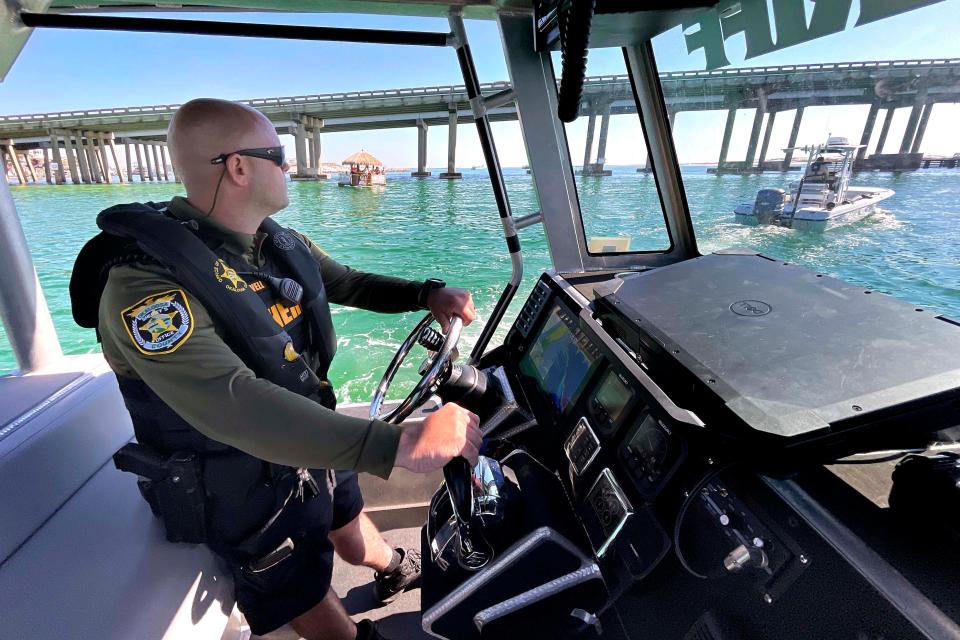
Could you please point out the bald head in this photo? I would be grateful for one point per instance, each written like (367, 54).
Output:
(242, 190)
(206, 127)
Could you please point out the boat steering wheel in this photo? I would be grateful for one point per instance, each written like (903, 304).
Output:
(427, 384)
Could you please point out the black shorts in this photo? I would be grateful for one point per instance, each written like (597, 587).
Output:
(292, 585)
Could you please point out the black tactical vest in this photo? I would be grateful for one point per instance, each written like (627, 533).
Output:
(266, 332)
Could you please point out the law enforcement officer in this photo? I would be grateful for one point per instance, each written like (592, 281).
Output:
(215, 320)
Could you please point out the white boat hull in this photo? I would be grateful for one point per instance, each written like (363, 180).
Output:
(864, 201)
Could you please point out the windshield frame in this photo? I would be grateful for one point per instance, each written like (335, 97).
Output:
(532, 76)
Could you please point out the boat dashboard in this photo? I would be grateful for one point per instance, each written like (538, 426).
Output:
(625, 464)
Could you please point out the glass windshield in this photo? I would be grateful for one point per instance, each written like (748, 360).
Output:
(824, 134)
(416, 202)
(618, 196)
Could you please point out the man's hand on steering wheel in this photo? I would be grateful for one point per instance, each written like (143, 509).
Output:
(447, 302)
(446, 433)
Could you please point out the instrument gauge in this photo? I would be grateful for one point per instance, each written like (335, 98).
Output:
(649, 453)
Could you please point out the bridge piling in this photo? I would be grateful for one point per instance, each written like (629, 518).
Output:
(602, 140)
(152, 174)
(911, 129)
(71, 158)
(116, 159)
(727, 134)
(588, 147)
(596, 168)
(48, 176)
(299, 132)
(591, 130)
(755, 132)
(90, 151)
(102, 160)
(29, 163)
(93, 163)
(148, 162)
(162, 152)
(89, 157)
(921, 128)
(421, 171)
(884, 130)
(137, 147)
(152, 171)
(317, 149)
(11, 156)
(128, 158)
(156, 159)
(104, 157)
(55, 149)
(451, 173)
(867, 132)
(792, 140)
(766, 139)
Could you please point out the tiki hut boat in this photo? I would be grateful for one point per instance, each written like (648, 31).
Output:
(364, 170)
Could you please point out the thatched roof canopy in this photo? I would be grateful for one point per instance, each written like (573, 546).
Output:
(362, 157)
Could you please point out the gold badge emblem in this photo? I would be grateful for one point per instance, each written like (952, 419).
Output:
(159, 323)
(229, 277)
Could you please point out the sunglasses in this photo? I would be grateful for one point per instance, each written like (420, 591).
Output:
(274, 154)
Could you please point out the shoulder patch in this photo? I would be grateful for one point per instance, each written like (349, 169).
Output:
(159, 323)
(284, 241)
(227, 275)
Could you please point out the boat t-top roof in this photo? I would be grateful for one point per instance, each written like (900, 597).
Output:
(19, 16)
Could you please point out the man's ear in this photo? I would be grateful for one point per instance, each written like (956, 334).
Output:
(237, 170)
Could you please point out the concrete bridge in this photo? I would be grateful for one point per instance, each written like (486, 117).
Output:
(82, 146)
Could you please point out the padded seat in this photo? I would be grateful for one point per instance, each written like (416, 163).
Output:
(81, 556)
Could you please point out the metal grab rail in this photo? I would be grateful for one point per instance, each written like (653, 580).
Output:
(485, 133)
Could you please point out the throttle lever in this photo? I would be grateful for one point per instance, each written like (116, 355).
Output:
(474, 552)
(458, 478)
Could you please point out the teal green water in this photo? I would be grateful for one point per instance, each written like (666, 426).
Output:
(450, 229)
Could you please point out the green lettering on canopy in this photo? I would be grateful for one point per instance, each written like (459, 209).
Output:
(791, 21)
(871, 10)
(752, 19)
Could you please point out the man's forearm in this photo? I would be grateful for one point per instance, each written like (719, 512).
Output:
(373, 292)
(277, 425)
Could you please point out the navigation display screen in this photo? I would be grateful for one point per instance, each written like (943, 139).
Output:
(609, 404)
(560, 360)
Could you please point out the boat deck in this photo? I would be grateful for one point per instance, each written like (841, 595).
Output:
(398, 620)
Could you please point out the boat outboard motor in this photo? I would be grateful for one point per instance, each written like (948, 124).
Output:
(769, 205)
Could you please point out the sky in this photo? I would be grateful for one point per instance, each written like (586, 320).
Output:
(62, 70)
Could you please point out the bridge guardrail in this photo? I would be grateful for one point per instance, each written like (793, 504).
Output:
(494, 86)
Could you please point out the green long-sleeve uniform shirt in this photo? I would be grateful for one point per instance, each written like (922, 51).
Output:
(211, 388)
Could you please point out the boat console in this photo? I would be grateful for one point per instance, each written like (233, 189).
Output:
(661, 433)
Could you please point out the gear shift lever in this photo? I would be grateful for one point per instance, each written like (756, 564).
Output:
(456, 474)
(474, 551)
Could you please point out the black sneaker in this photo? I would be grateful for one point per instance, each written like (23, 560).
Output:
(367, 630)
(388, 586)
